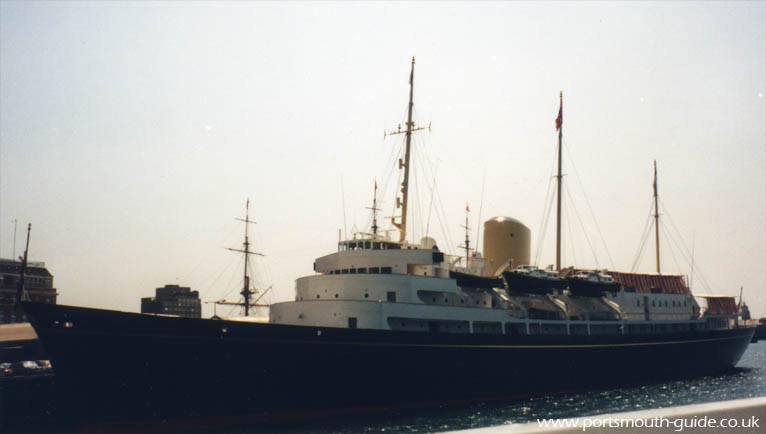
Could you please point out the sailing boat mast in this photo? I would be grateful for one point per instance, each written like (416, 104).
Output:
(246, 292)
(559, 127)
(656, 220)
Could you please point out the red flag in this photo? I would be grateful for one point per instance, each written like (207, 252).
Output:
(466, 207)
(376, 185)
(560, 118)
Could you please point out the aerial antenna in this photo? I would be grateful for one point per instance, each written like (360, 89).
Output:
(410, 128)
(481, 207)
(343, 204)
(14, 239)
(559, 128)
(246, 291)
(656, 219)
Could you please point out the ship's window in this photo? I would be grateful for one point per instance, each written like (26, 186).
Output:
(385, 270)
(433, 299)
(353, 271)
(352, 323)
(652, 303)
(317, 295)
(366, 244)
(391, 296)
(666, 303)
(446, 300)
(366, 295)
(352, 246)
(336, 295)
(344, 271)
(361, 270)
(638, 303)
(462, 301)
(375, 246)
(374, 270)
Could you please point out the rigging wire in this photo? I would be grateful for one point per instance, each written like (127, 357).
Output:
(663, 228)
(582, 227)
(569, 240)
(587, 202)
(644, 237)
(547, 207)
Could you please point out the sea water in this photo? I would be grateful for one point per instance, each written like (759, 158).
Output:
(747, 380)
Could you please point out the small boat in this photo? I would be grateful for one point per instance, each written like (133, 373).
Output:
(591, 284)
(530, 279)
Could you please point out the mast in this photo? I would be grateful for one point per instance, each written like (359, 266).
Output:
(246, 292)
(656, 220)
(20, 288)
(375, 210)
(402, 225)
(467, 245)
(559, 127)
(405, 184)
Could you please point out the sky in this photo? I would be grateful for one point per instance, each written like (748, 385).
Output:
(132, 135)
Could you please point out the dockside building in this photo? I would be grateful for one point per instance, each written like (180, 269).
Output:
(38, 286)
(173, 300)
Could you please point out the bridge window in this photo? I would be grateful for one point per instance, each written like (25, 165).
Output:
(391, 296)
(385, 270)
(352, 323)
(366, 244)
(361, 270)
(353, 271)
(374, 270)
(375, 246)
(344, 271)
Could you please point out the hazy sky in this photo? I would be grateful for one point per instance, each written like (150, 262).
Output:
(133, 133)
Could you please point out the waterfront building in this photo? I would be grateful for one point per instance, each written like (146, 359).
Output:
(173, 300)
(38, 286)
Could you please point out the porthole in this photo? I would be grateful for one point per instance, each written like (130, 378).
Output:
(336, 295)
(366, 295)
(317, 295)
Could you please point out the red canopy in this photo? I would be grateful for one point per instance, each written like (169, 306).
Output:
(669, 284)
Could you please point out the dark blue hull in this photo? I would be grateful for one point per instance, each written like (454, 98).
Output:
(117, 366)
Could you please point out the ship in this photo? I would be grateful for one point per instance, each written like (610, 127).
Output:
(384, 323)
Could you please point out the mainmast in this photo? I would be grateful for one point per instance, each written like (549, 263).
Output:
(246, 292)
(402, 203)
(656, 219)
(402, 226)
(559, 127)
